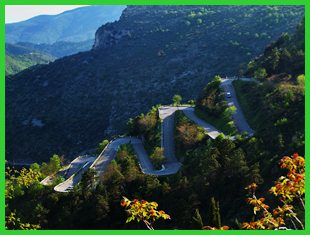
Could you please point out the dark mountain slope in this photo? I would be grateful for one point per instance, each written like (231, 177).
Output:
(146, 57)
(75, 25)
(285, 55)
(276, 108)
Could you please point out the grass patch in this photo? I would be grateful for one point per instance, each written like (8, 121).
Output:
(248, 98)
(221, 123)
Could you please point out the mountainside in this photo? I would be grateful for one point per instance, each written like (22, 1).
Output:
(19, 58)
(276, 107)
(284, 56)
(145, 58)
(75, 25)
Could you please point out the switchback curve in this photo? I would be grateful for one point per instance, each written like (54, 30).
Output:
(171, 165)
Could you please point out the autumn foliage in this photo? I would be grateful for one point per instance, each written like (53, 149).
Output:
(289, 190)
(143, 211)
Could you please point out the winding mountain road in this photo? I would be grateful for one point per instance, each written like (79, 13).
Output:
(171, 164)
(239, 118)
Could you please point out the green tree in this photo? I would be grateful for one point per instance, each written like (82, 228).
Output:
(301, 80)
(229, 111)
(191, 102)
(88, 179)
(260, 73)
(157, 157)
(254, 174)
(126, 159)
(55, 163)
(235, 164)
(211, 167)
(102, 145)
(52, 167)
(35, 166)
(113, 179)
(102, 207)
(40, 212)
(177, 99)
(212, 100)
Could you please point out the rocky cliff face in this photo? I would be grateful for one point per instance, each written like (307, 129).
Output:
(150, 54)
(107, 35)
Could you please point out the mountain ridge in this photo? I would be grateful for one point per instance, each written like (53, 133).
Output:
(72, 26)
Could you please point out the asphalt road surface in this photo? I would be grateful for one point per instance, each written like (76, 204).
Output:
(71, 169)
(79, 166)
(77, 163)
(239, 119)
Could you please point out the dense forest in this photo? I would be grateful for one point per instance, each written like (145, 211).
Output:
(95, 203)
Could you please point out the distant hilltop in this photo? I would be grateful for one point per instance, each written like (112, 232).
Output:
(76, 25)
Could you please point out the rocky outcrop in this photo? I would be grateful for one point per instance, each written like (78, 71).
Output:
(107, 36)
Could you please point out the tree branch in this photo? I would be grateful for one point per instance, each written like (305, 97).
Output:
(302, 202)
(296, 218)
(148, 225)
